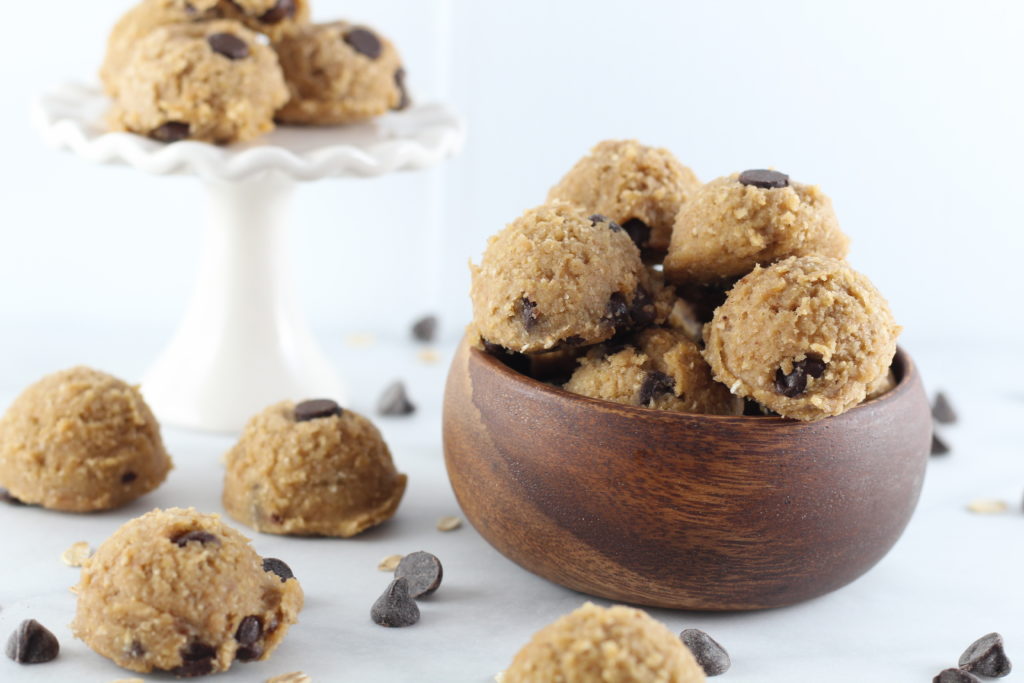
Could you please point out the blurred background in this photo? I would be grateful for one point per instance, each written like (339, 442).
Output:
(908, 115)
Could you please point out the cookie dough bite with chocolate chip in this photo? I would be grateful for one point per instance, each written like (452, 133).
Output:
(661, 369)
(752, 218)
(80, 440)
(340, 73)
(641, 188)
(182, 592)
(558, 276)
(616, 644)
(807, 337)
(212, 81)
(312, 469)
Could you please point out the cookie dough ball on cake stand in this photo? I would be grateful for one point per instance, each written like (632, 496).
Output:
(80, 441)
(558, 276)
(311, 469)
(750, 218)
(807, 337)
(617, 644)
(340, 73)
(639, 187)
(182, 592)
(212, 81)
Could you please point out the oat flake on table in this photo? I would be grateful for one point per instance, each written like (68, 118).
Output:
(448, 523)
(75, 555)
(988, 506)
(294, 677)
(389, 563)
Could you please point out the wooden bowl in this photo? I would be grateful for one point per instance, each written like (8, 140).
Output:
(678, 510)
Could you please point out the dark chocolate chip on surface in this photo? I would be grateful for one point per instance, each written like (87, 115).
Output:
(711, 656)
(128, 477)
(395, 608)
(394, 400)
(279, 12)
(425, 329)
(197, 536)
(316, 409)
(196, 660)
(364, 42)
(764, 178)
(276, 566)
(939, 447)
(228, 45)
(32, 643)
(655, 384)
(172, 131)
(795, 383)
(638, 231)
(6, 497)
(955, 676)
(942, 409)
(403, 93)
(986, 657)
(423, 572)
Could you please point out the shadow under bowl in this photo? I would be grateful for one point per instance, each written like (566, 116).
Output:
(680, 510)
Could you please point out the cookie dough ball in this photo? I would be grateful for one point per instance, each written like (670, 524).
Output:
(79, 441)
(806, 337)
(662, 369)
(179, 591)
(276, 18)
(212, 81)
(612, 645)
(340, 73)
(558, 275)
(750, 218)
(311, 469)
(641, 188)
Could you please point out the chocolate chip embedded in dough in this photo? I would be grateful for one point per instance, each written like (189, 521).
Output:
(136, 650)
(638, 231)
(228, 45)
(403, 93)
(197, 536)
(795, 383)
(279, 12)
(172, 131)
(641, 310)
(7, 497)
(196, 660)
(764, 179)
(655, 384)
(128, 477)
(617, 310)
(422, 570)
(395, 608)
(986, 657)
(528, 313)
(250, 630)
(32, 643)
(711, 656)
(601, 218)
(276, 566)
(364, 42)
(316, 409)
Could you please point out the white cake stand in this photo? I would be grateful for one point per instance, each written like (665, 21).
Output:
(243, 343)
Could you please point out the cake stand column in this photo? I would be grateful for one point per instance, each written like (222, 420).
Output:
(243, 343)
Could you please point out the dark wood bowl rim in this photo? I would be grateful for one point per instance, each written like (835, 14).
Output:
(902, 366)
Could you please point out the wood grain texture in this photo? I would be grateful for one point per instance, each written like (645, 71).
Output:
(678, 510)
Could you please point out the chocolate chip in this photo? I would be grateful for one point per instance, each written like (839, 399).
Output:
(136, 650)
(364, 42)
(425, 329)
(196, 660)
(655, 384)
(128, 477)
(316, 409)
(276, 566)
(403, 92)
(638, 231)
(282, 10)
(172, 131)
(423, 572)
(395, 608)
(228, 45)
(6, 497)
(601, 218)
(32, 643)
(764, 179)
(617, 311)
(942, 409)
(955, 676)
(528, 313)
(986, 657)
(249, 630)
(394, 400)
(248, 653)
(795, 383)
(711, 656)
(641, 310)
(939, 447)
(202, 537)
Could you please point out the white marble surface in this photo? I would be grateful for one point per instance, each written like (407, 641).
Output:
(953, 577)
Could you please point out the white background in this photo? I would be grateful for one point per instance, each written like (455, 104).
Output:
(907, 114)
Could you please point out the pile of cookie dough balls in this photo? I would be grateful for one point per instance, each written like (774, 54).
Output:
(225, 71)
(635, 283)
